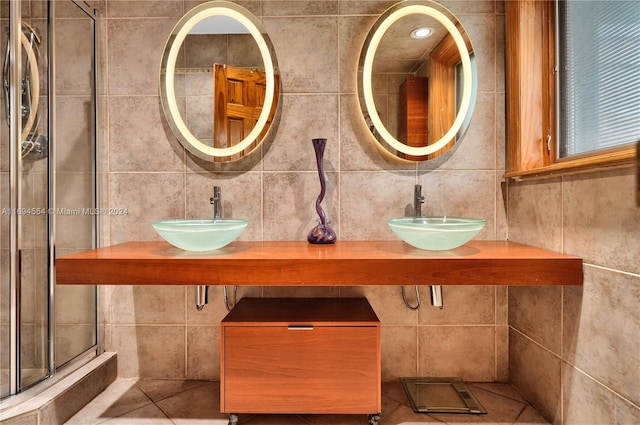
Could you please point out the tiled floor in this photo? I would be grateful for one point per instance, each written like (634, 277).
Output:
(164, 402)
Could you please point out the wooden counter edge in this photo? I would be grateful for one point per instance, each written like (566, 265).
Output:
(138, 263)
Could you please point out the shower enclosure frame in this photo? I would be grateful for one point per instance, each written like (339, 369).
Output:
(15, 203)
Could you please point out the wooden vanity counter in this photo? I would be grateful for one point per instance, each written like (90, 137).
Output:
(298, 263)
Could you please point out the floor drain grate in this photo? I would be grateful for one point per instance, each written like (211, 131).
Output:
(441, 395)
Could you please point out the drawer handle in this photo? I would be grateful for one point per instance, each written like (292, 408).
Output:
(300, 328)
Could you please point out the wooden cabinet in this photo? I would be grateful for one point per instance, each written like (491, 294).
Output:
(412, 112)
(300, 356)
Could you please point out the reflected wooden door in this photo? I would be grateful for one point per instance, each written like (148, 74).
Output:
(239, 95)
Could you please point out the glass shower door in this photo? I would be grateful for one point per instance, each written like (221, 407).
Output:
(75, 187)
(47, 186)
(24, 176)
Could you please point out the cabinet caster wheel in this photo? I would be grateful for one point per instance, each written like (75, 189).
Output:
(374, 419)
(233, 419)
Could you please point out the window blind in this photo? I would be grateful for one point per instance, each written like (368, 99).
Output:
(599, 75)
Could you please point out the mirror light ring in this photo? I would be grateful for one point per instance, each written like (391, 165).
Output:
(367, 73)
(176, 42)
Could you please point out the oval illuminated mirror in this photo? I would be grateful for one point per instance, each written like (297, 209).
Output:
(417, 80)
(219, 82)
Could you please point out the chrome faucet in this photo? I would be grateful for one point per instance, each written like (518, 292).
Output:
(202, 291)
(216, 201)
(436, 290)
(418, 200)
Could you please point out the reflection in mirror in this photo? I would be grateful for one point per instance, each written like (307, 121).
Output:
(417, 80)
(219, 82)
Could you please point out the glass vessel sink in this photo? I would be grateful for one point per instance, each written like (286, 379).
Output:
(199, 235)
(436, 233)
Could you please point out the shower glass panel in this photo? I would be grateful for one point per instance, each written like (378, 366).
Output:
(5, 316)
(30, 213)
(75, 194)
(47, 186)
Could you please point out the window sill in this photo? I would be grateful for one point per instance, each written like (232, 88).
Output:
(606, 160)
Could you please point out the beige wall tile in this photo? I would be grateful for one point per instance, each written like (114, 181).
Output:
(500, 35)
(148, 304)
(464, 7)
(74, 73)
(601, 219)
(536, 373)
(626, 414)
(72, 126)
(135, 52)
(74, 208)
(475, 196)
(535, 213)
(502, 353)
(601, 328)
(300, 292)
(69, 299)
(502, 305)
(502, 226)
(146, 197)
(250, 162)
(464, 351)
(536, 311)
(399, 348)
(198, 117)
(300, 7)
(307, 52)
(305, 117)
(137, 139)
(253, 6)
(358, 149)
(455, 312)
(369, 199)
(482, 33)
(73, 339)
(501, 134)
(584, 400)
(143, 351)
(387, 302)
(203, 352)
(213, 312)
(372, 7)
(289, 204)
(477, 150)
(352, 32)
(241, 198)
(144, 9)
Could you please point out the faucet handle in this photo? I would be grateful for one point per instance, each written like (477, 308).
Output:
(216, 194)
(216, 201)
(418, 193)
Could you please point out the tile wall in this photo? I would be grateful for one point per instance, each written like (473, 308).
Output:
(575, 351)
(157, 331)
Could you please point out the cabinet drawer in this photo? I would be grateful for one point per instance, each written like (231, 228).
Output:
(312, 369)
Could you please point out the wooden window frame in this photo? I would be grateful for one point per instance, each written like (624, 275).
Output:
(531, 99)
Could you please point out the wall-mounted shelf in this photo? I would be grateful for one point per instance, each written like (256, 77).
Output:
(346, 263)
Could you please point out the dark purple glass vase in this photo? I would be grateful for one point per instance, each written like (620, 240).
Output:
(322, 233)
